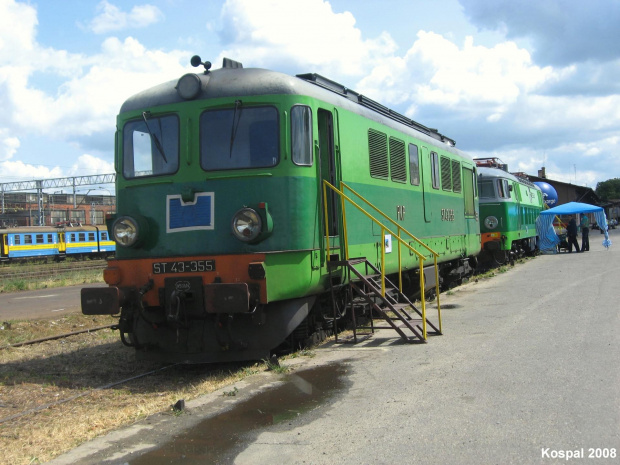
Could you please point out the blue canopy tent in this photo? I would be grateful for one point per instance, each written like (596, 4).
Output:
(544, 223)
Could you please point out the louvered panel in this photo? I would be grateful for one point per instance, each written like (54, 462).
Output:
(456, 176)
(377, 150)
(446, 175)
(398, 160)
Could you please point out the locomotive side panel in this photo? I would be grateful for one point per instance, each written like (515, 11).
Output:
(394, 171)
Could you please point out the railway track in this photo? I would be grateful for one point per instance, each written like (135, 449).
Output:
(58, 336)
(45, 270)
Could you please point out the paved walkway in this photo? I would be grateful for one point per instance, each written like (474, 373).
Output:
(528, 371)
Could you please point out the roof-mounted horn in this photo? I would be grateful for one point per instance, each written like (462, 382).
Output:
(197, 61)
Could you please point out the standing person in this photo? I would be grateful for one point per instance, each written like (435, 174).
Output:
(585, 233)
(571, 235)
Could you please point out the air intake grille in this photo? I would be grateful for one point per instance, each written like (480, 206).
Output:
(377, 149)
(446, 174)
(456, 176)
(398, 160)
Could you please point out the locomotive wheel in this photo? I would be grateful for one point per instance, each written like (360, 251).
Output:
(499, 256)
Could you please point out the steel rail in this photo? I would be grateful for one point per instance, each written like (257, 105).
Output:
(59, 336)
(43, 272)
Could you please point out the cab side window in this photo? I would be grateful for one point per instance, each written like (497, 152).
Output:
(301, 135)
(503, 189)
(435, 169)
(414, 164)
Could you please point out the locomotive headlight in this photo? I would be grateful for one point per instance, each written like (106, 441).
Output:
(125, 230)
(491, 222)
(188, 86)
(246, 224)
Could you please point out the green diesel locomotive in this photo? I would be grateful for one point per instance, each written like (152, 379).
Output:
(509, 206)
(224, 226)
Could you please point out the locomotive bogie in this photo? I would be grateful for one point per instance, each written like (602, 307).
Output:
(222, 337)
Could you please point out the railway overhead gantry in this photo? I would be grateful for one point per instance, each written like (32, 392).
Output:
(39, 185)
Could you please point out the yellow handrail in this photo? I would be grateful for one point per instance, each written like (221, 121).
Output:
(400, 228)
(421, 257)
(389, 219)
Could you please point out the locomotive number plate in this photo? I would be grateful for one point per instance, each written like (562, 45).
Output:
(186, 266)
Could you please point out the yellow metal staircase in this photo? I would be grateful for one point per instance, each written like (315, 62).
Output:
(369, 292)
(364, 297)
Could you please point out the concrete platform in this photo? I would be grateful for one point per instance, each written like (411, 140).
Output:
(527, 371)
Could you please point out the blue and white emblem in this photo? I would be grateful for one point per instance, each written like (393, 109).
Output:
(189, 216)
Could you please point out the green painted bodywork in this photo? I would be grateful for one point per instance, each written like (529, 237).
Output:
(295, 251)
(516, 215)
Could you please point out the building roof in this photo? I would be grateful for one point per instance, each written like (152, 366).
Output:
(581, 194)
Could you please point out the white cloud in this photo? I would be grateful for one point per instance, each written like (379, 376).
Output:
(435, 71)
(89, 100)
(18, 170)
(18, 22)
(90, 93)
(89, 103)
(572, 114)
(85, 165)
(90, 165)
(112, 18)
(8, 145)
(573, 162)
(305, 33)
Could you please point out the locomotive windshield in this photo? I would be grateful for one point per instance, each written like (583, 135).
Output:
(486, 189)
(239, 137)
(151, 146)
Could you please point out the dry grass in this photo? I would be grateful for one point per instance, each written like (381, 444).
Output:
(58, 280)
(75, 368)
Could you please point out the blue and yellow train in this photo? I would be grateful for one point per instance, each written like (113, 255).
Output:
(40, 242)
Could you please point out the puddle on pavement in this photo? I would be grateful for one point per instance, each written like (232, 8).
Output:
(223, 437)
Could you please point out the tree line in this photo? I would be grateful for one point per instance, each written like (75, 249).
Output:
(608, 190)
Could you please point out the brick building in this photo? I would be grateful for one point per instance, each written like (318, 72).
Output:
(25, 209)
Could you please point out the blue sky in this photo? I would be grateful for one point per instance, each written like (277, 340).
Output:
(534, 83)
